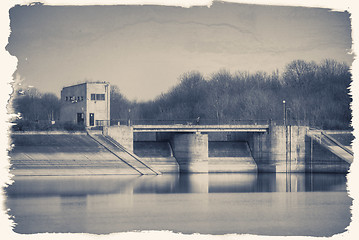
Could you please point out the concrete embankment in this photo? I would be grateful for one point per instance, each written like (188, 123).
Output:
(62, 153)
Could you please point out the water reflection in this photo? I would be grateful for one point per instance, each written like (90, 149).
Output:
(186, 203)
(175, 183)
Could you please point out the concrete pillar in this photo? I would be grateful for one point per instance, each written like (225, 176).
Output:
(191, 152)
(274, 152)
(261, 147)
(278, 147)
(298, 153)
(122, 134)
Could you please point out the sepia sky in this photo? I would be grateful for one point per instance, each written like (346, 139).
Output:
(144, 49)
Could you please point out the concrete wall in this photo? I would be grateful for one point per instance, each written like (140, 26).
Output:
(219, 136)
(230, 157)
(260, 146)
(322, 160)
(164, 136)
(159, 155)
(191, 152)
(144, 136)
(122, 134)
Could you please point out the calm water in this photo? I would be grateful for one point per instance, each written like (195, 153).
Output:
(264, 204)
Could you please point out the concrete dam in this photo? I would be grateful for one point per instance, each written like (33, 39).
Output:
(152, 150)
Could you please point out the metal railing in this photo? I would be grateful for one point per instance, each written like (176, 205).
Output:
(127, 122)
(111, 122)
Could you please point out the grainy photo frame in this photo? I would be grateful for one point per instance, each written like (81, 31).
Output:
(184, 119)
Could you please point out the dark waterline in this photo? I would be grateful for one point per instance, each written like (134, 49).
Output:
(264, 203)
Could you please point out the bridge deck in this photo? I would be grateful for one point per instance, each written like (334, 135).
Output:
(200, 128)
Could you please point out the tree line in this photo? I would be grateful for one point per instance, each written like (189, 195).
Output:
(315, 94)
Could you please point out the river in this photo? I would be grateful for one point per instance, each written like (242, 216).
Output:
(256, 203)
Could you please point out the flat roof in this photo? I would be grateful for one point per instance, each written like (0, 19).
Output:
(85, 84)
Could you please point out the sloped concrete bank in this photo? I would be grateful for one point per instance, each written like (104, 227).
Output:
(62, 153)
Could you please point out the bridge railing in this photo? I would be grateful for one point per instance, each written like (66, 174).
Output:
(200, 121)
(112, 122)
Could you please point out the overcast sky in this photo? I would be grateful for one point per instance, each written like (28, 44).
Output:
(144, 49)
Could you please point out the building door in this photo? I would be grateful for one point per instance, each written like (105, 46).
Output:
(92, 119)
(80, 118)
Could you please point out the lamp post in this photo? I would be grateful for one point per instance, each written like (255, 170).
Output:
(108, 115)
(288, 148)
(286, 142)
(284, 113)
(286, 135)
(289, 111)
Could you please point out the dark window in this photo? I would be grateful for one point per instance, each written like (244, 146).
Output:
(100, 97)
(78, 98)
(66, 98)
(82, 98)
(93, 96)
(70, 98)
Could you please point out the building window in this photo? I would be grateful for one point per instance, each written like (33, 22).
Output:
(93, 96)
(100, 97)
(82, 98)
(66, 98)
